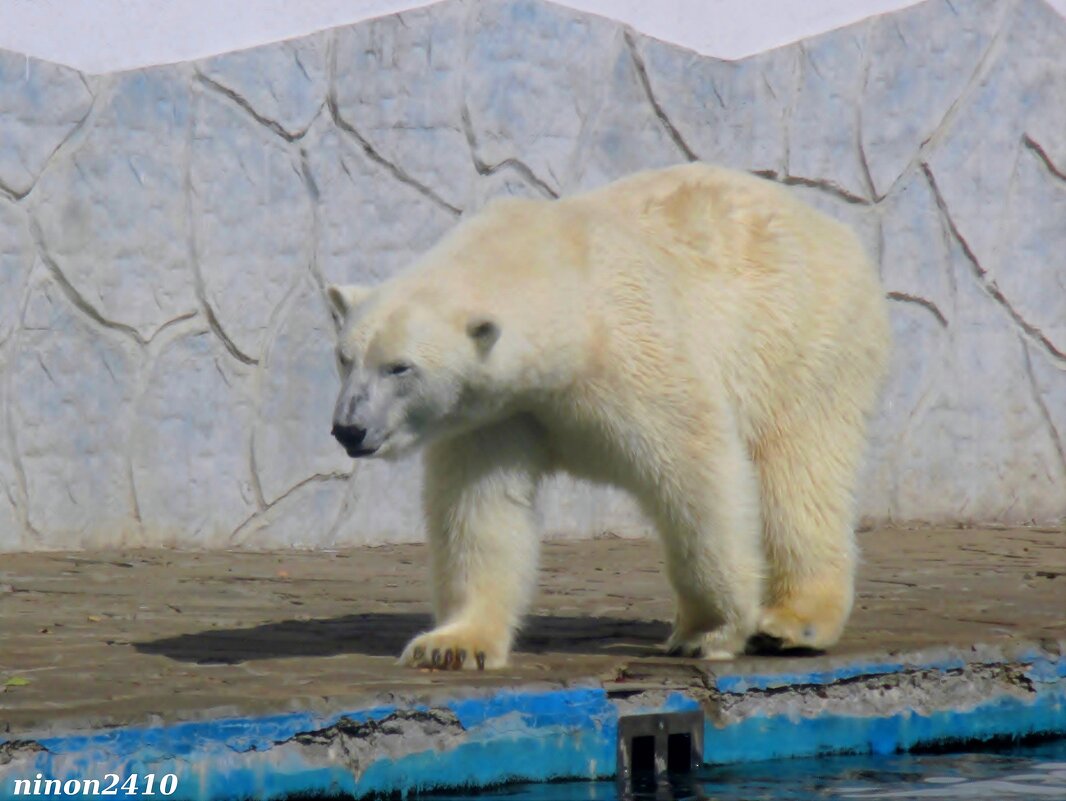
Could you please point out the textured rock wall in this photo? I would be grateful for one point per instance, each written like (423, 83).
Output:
(165, 236)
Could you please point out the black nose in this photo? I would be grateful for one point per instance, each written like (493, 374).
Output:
(351, 437)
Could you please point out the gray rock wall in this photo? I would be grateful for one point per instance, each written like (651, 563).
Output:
(165, 236)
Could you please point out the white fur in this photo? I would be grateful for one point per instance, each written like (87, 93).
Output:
(695, 335)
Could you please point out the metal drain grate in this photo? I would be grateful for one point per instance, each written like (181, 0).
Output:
(656, 746)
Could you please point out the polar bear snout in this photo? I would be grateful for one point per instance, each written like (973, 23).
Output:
(351, 439)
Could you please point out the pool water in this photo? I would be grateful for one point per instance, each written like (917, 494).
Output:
(1007, 774)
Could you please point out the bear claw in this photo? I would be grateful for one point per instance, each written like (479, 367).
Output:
(452, 648)
(763, 644)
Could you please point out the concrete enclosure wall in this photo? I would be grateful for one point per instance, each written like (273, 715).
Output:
(166, 233)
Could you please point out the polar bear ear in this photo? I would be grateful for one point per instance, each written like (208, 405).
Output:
(342, 299)
(484, 331)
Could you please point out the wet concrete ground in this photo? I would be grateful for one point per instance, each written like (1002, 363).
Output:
(107, 638)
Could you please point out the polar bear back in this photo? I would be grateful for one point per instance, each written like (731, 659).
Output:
(740, 278)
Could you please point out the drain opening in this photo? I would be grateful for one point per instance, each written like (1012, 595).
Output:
(679, 757)
(642, 754)
(658, 746)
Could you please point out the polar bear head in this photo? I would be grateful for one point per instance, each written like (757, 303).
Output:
(411, 367)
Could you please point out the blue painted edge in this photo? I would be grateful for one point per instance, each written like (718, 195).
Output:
(761, 737)
(526, 735)
(740, 683)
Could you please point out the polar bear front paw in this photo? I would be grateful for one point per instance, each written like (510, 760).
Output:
(720, 645)
(456, 646)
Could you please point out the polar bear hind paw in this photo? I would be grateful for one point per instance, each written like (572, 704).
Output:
(782, 629)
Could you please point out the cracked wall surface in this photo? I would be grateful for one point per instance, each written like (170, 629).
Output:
(166, 374)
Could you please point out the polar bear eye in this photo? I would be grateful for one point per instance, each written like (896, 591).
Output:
(396, 368)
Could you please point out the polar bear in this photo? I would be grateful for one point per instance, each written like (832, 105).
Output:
(694, 335)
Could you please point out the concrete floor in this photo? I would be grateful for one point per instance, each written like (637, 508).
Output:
(146, 636)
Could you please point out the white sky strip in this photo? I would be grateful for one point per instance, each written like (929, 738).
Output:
(98, 36)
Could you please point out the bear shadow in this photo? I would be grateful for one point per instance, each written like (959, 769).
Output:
(380, 634)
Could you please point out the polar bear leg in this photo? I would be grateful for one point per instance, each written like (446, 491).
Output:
(714, 553)
(807, 477)
(479, 492)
